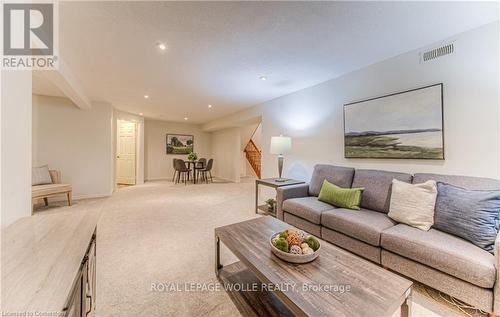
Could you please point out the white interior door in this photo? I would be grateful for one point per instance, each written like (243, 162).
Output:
(125, 158)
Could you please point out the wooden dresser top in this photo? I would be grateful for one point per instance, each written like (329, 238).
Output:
(40, 257)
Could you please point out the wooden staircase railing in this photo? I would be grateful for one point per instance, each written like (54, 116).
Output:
(254, 157)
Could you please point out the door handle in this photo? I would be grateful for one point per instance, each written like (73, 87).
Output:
(118, 156)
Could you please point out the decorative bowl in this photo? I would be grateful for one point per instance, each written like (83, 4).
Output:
(290, 257)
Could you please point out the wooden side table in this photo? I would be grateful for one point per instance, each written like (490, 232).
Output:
(270, 182)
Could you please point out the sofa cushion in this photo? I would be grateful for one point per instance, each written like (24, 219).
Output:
(340, 176)
(377, 185)
(302, 224)
(49, 189)
(472, 183)
(443, 252)
(309, 208)
(364, 225)
(473, 215)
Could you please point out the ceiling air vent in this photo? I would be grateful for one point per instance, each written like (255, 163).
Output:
(437, 52)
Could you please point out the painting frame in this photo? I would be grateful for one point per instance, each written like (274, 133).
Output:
(441, 130)
(189, 149)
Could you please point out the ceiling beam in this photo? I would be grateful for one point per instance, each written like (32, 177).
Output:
(251, 115)
(64, 79)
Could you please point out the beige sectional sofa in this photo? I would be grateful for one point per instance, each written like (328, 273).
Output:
(443, 261)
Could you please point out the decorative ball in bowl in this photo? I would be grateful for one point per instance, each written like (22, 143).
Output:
(295, 246)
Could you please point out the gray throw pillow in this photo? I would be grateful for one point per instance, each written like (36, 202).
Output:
(40, 175)
(470, 214)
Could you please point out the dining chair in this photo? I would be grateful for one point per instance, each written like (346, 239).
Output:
(175, 169)
(208, 170)
(200, 165)
(202, 162)
(183, 171)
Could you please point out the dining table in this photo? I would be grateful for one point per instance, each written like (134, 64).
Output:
(196, 166)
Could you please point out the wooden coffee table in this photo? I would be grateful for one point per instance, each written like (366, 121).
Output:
(312, 289)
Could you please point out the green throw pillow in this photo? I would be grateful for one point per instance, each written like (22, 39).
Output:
(349, 198)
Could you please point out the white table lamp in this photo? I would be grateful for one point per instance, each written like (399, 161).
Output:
(280, 145)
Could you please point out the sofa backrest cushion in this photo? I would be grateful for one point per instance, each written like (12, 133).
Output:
(337, 175)
(377, 185)
(467, 182)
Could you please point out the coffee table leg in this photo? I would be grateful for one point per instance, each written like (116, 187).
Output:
(218, 266)
(406, 307)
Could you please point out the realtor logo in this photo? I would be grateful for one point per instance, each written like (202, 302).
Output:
(29, 36)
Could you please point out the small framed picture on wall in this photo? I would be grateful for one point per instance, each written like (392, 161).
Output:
(180, 144)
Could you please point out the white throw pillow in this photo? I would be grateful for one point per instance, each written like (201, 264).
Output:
(413, 204)
(40, 175)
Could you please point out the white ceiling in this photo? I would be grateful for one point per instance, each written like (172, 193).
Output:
(217, 50)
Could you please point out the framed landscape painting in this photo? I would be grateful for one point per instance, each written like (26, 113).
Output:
(180, 144)
(405, 125)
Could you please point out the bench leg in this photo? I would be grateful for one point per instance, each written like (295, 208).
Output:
(46, 200)
(69, 198)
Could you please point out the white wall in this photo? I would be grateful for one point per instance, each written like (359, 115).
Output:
(158, 165)
(246, 133)
(314, 116)
(15, 135)
(226, 152)
(76, 142)
(140, 155)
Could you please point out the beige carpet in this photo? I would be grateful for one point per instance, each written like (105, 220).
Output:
(163, 233)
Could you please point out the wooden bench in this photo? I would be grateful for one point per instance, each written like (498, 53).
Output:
(49, 190)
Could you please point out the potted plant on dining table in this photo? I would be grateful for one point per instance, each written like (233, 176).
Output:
(192, 156)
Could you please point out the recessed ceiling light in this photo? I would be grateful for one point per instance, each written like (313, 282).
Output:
(185, 118)
(263, 78)
(146, 96)
(140, 113)
(161, 46)
(209, 106)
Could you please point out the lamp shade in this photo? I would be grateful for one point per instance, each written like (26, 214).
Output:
(280, 145)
